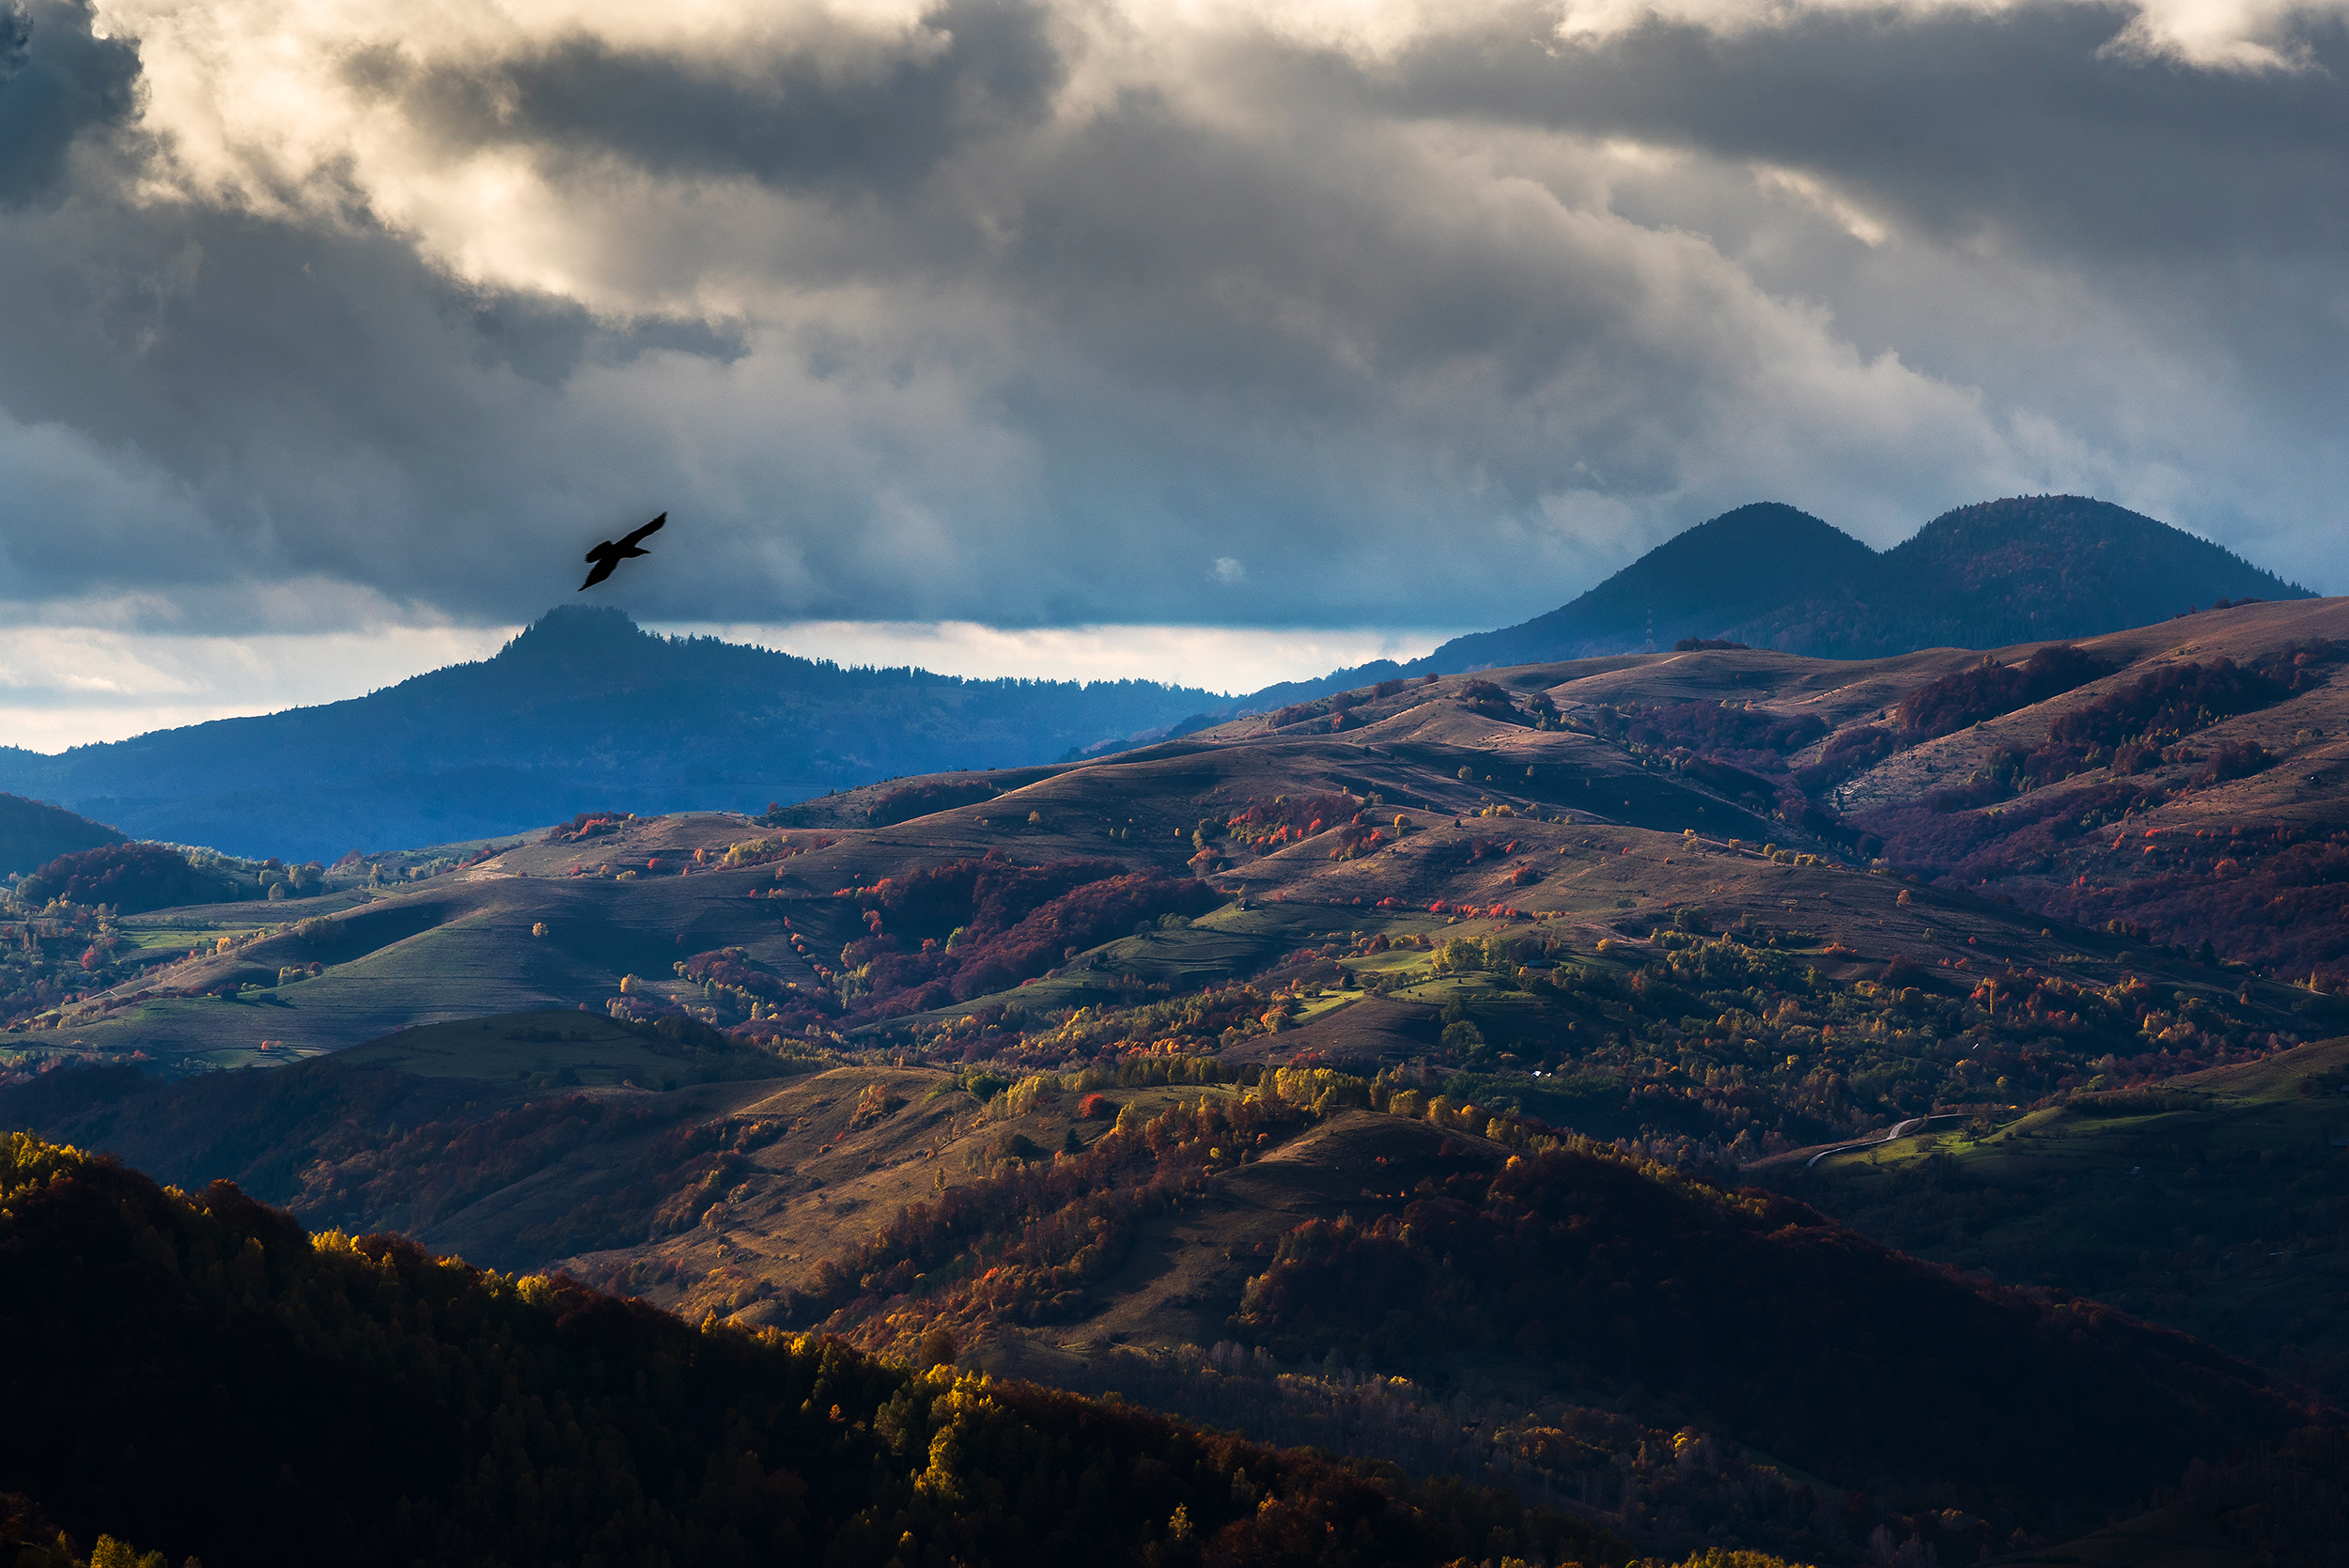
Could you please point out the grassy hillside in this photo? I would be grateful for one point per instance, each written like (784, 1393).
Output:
(1453, 877)
(2190, 795)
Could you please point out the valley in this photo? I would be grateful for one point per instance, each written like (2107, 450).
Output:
(1109, 1072)
(993, 782)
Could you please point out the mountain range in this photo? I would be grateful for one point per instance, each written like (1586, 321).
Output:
(1770, 576)
(586, 711)
(583, 710)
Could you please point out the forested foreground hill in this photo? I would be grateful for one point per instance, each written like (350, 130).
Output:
(211, 1379)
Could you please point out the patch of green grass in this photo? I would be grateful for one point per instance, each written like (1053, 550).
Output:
(1323, 1004)
(178, 935)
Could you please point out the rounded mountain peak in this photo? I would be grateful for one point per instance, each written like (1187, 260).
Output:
(1770, 526)
(569, 633)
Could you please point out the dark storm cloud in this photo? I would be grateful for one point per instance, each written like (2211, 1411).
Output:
(876, 125)
(2023, 121)
(2209, 206)
(1039, 315)
(56, 81)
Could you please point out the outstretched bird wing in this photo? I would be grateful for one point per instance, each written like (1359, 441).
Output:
(650, 528)
(603, 568)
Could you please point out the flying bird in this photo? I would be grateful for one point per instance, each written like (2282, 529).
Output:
(608, 555)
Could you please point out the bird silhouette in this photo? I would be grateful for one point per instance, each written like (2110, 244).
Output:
(608, 555)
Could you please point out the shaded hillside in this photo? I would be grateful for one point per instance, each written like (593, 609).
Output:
(1722, 573)
(2022, 570)
(1768, 576)
(1320, 1238)
(2214, 1202)
(1756, 1318)
(213, 1380)
(2284, 1503)
(34, 832)
(581, 710)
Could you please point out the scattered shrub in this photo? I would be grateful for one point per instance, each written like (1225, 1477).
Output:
(1486, 698)
(2237, 761)
(1990, 689)
(923, 798)
(587, 825)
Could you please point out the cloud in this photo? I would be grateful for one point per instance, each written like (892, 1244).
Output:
(1214, 658)
(71, 686)
(92, 676)
(1016, 313)
(2254, 36)
(50, 94)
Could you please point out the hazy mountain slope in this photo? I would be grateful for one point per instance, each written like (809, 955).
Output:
(586, 711)
(2024, 569)
(2021, 571)
(582, 711)
(34, 832)
(1717, 574)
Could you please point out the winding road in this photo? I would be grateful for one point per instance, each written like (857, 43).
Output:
(1898, 1130)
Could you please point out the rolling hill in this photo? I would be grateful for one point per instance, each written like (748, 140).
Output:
(586, 711)
(1181, 1073)
(2210, 1202)
(214, 1379)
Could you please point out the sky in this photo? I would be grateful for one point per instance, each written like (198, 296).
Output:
(1221, 342)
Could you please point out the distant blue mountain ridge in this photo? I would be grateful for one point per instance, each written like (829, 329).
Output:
(2020, 570)
(585, 710)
